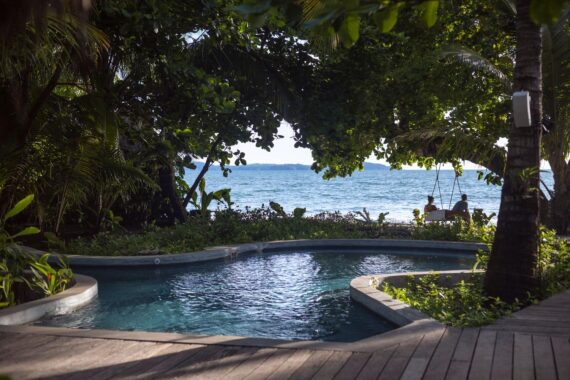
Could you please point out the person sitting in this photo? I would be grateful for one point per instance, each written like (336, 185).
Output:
(461, 209)
(461, 206)
(430, 206)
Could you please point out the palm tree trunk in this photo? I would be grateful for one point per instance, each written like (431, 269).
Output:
(512, 271)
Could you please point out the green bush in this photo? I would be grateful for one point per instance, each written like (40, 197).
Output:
(463, 305)
(466, 304)
(554, 263)
(24, 276)
(233, 227)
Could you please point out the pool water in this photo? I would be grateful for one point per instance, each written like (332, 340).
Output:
(301, 294)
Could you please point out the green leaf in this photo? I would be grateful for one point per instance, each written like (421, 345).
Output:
(428, 10)
(387, 19)
(19, 207)
(350, 30)
(26, 231)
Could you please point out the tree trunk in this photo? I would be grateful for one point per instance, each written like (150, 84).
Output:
(207, 164)
(167, 185)
(512, 271)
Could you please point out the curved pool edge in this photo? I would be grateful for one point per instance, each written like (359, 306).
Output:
(82, 292)
(220, 252)
(396, 311)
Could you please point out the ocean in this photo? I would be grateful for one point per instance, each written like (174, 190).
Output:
(395, 191)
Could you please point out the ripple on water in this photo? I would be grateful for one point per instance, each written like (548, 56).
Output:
(288, 295)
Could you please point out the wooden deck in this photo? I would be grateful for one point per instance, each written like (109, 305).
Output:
(531, 344)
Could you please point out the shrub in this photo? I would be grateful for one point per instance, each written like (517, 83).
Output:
(234, 226)
(463, 305)
(24, 276)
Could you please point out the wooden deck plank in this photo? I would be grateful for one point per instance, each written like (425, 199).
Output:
(441, 359)
(53, 359)
(170, 362)
(376, 364)
(232, 358)
(483, 357)
(353, 366)
(18, 344)
(312, 365)
(533, 343)
(561, 348)
(270, 365)
(523, 358)
(47, 359)
(201, 362)
(333, 365)
(502, 367)
(419, 361)
(250, 364)
(139, 353)
(461, 361)
(531, 330)
(399, 360)
(541, 323)
(543, 358)
(116, 352)
(83, 354)
(287, 368)
(145, 368)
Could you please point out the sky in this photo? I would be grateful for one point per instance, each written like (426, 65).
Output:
(284, 152)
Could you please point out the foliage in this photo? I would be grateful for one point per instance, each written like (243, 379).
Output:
(466, 304)
(47, 279)
(232, 227)
(462, 305)
(554, 263)
(21, 271)
(203, 203)
(340, 22)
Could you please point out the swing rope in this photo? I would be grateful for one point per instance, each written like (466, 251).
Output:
(456, 180)
(438, 167)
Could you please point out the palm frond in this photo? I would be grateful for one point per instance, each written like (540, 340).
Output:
(476, 61)
(449, 144)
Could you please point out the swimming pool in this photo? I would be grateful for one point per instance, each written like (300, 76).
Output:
(294, 294)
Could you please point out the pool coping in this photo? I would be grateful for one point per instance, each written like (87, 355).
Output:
(82, 292)
(220, 252)
(364, 290)
(411, 321)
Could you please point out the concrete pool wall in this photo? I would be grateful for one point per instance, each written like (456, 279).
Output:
(214, 253)
(82, 292)
(361, 288)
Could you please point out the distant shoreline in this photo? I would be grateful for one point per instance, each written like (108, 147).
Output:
(367, 166)
(257, 166)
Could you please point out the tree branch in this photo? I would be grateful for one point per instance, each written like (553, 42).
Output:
(42, 98)
(207, 164)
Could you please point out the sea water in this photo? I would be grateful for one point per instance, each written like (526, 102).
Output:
(398, 192)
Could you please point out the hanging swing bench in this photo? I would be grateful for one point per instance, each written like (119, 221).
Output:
(446, 215)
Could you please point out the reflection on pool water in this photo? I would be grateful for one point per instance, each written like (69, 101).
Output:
(299, 294)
